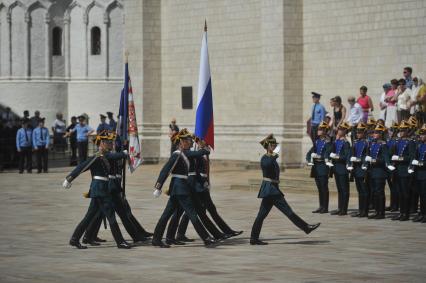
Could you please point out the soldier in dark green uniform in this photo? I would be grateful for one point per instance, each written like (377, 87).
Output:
(419, 163)
(402, 153)
(340, 155)
(99, 190)
(271, 195)
(378, 166)
(179, 189)
(393, 185)
(317, 157)
(414, 193)
(358, 153)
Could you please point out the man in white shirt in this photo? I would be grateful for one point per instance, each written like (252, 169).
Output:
(355, 114)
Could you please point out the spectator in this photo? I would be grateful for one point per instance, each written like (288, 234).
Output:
(103, 126)
(173, 129)
(390, 112)
(421, 100)
(41, 140)
(112, 123)
(339, 112)
(415, 105)
(317, 116)
(366, 103)
(408, 71)
(83, 132)
(355, 115)
(59, 129)
(26, 114)
(403, 105)
(73, 141)
(24, 146)
(35, 120)
(7, 117)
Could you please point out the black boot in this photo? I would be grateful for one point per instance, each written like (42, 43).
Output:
(76, 243)
(118, 237)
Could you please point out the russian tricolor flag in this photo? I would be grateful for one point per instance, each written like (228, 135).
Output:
(204, 124)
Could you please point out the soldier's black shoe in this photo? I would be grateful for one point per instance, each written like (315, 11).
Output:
(257, 242)
(318, 210)
(394, 209)
(424, 219)
(76, 243)
(373, 216)
(357, 214)
(380, 216)
(342, 213)
(397, 217)
(388, 208)
(235, 233)
(335, 212)
(209, 241)
(124, 245)
(159, 243)
(92, 243)
(309, 228)
(404, 217)
(323, 210)
(183, 238)
(148, 234)
(100, 240)
(363, 214)
(418, 218)
(174, 242)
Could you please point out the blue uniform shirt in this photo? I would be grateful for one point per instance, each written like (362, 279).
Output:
(103, 127)
(41, 137)
(318, 114)
(82, 132)
(23, 138)
(113, 124)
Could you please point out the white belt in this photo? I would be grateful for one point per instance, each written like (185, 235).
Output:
(100, 178)
(203, 175)
(192, 174)
(180, 176)
(111, 176)
(118, 176)
(270, 180)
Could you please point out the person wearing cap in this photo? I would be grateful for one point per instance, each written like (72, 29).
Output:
(179, 190)
(271, 195)
(419, 165)
(378, 164)
(99, 193)
(402, 153)
(340, 154)
(112, 123)
(73, 140)
(393, 186)
(366, 103)
(83, 131)
(103, 126)
(41, 139)
(24, 144)
(317, 115)
(371, 125)
(358, 153)
(316, 157)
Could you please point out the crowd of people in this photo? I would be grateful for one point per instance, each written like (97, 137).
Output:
(24, 138)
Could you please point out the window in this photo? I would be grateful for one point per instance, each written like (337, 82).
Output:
(57, 41)
(187, 97)
(95, 33)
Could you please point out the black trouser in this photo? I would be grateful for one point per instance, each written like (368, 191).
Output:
(422, 193)
(82, 150)
(265, 208)
(25, 155)
(42, 158)
(176, 201)
(342, 184)
(394, 193)
(378, 186)
(105, 205)
(314, 133)
(414, 196)
(201, 212)
(59, 141)
(404, 194)
(322, 186)
(363, 196)
(73, 146)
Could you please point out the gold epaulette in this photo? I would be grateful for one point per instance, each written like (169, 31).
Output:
(86, 194)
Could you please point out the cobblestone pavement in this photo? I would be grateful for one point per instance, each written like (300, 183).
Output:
(37, 218)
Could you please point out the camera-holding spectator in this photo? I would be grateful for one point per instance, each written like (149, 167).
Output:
(366, 103)
(59, 129)
(24, 146)
(41, 138)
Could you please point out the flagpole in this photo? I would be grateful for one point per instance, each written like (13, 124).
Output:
(125, 141)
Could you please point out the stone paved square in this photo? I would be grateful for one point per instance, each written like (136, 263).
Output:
(37, 218)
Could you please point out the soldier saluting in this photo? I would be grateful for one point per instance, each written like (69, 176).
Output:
(271, 195)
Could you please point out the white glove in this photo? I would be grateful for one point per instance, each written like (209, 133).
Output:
(364, 167)
(350, 168)
(277, 149)
(157, 193)
(329, 164)
(391, 168)
(410, 171)
(353, 159)
(66, 184)
(368, 158)
(333, 155)
(125, 152)
(395, 157)
(415, 162)
(310, 164)
(314, 155)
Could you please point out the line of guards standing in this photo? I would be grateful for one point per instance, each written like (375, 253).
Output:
(376, 156)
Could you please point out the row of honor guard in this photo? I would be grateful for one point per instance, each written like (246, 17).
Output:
(374, 158)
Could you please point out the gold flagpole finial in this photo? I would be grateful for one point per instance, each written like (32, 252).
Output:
(205, 25)
(126, 56)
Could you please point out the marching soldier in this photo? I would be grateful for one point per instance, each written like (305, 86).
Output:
(378, 164)
(419, 164)
(402, 153)
(271, 195)
(340, 155)
(393, 185)
(359, 151)
(99, 193)
(41, 139)
(179, 190)
(317, 157)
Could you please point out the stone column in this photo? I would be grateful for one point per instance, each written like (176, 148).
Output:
(27, 54)
(86, 45)
(105, 40)
(67, 48)
(48, 46)
(9, 37)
